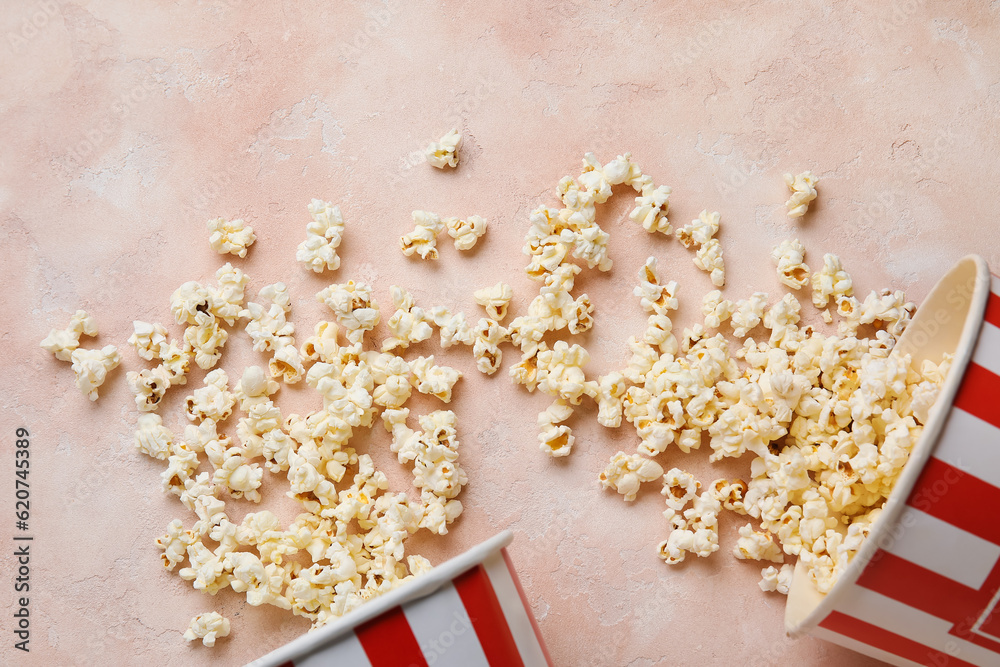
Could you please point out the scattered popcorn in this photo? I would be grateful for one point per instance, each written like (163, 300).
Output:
(803, 189)
(354, 306)
(757, 546)
(423, 239)
(92, 367)
(152, 438)
(486, 348)
(207, 627)
(62, 342)
(495, 300)
(626, 472)
(700, 231)
(654, 297)
(830, 282)
(443, 153)
(214, 401)
(789, 257)
(748, 313)
(555, 438)
(466, 232)
(147, 338)
(429, 378)
(651, 210)
(773, 579)
(232, 236)
(323, 236)
(408, 324)
(679, 488)
(716, 309)
(453, 329)
(709, 259)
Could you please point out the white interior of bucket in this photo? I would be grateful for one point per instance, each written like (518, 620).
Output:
(947, 322)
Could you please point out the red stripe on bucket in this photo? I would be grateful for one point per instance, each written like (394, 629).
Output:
(389, 642)
(958, 498)
(486, 615)
(888, 641)
(979, 394)
(918, 587)
(993, 309)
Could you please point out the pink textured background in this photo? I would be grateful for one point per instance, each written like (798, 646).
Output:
(127, 125)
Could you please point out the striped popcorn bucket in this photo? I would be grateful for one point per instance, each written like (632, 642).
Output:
(925, 586)
(468, 612)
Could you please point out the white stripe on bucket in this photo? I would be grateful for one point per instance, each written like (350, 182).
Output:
(514, 611)
(346, 651)
(965, 444)
(915, 625)
(443, 630)
(958, 555)
(987, 352)
(861, 647)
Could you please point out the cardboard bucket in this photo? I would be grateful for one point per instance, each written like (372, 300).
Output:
(925, 586)
(468, 612)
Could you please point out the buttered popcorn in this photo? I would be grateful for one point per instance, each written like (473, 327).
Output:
(495, 300)
(62, 342)
(207, 627)
(444, 152)
(830, 419)
(423, 239)
(803, 189)
(466, 232)
(92, 367)
(323, 236)
(230, 236)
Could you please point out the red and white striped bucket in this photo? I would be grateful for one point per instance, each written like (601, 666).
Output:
(924, 589)
(468, 612)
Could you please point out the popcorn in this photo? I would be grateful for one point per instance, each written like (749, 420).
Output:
(175, 542)
(148, 386)
(803, 189)
(239, 476)
(757, 546)
(700, 231)
(609, 394)
(92, 367)
(782, 319)
(486, 348)
(227, 298)
(729, 493)
(747, 313)
(830, 282)
(207, 627)
(206, 339)
(62, 342)
(147, 338)
(789, 257)
(716, 309)
(560, 371)
(651, 210)
(495, 300)
(408, 324)
(214, 401)
(453, 329)
(679, 488)
(354, 306)
(232, 236)
(429, 378)
(709, 259)
(323, 236)
(443, 153)
(152, 438)
(466, 232)
(773, 579)
(554, 439)
(423, 239)
(189, 301)
(654, 297)
(626, 472)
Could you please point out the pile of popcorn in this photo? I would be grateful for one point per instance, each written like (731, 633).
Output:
(829, 419)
